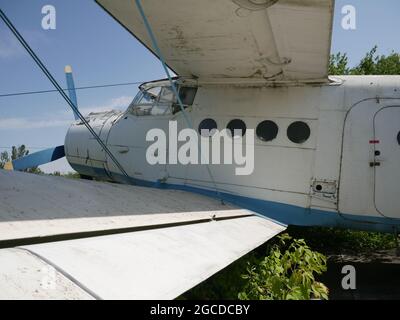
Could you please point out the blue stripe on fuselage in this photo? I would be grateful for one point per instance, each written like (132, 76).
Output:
(284, 213)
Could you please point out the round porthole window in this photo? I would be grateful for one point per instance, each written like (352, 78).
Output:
(237, 128)
(207, 127)
(267, 130)
(298, 132)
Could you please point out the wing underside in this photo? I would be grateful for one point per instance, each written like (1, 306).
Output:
(74, 239)
(284, 40)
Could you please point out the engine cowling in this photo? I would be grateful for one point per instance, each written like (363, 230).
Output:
(82, 150)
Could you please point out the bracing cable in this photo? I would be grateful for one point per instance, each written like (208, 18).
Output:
(60, 90)
(12, 94)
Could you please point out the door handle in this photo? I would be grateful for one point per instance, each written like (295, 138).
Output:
(122, 150)
(374, 164)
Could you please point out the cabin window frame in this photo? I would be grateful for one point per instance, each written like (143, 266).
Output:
(232, 130)
(273, 136)
(296, 135)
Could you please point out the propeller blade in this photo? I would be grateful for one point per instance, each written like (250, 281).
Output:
(71, 88)
(36, 159)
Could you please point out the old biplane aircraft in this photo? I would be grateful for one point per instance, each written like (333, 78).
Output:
(327, 153)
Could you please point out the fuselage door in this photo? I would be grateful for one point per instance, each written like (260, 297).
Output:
(387, 161)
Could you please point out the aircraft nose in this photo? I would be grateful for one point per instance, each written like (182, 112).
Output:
(83, 151)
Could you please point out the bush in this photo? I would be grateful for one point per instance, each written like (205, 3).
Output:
(339, 241)
(287, 273)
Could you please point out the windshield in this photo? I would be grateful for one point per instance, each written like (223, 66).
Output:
(149, 96)
(160, 100)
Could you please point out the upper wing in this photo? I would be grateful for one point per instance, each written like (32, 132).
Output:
(63, 238)
(278, 40)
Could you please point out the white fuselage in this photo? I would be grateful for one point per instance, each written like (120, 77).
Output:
(346, 173)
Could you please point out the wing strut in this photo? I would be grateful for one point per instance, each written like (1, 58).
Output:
(175, 90)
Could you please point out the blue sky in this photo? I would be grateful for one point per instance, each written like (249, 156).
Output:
(102, 52)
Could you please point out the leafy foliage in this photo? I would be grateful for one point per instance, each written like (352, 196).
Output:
(333, 240)
(371, 64)
(4, 158)
(227, 283)
(287, 273)
(19, 152)
(338, 64)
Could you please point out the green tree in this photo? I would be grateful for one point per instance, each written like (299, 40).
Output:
(18, 152)
(338, 64)
(4, 158)
(371, 64)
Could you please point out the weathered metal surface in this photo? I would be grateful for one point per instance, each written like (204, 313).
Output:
(341, 121)
(158, 262)
(387, 153)
(289, 41)
(152, 264)
(39, 206)
(25, 276)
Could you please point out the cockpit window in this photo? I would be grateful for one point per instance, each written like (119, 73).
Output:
(150, 96)
(187, 95)
(146, 103)
(161, 100)
(167, 95)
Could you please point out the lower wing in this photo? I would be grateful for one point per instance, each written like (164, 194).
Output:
(76, 239)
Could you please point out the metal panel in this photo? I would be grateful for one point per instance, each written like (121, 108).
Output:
(288, 41)
(357, 179)
(387, 161)
(152, 264)
(44, 206)
(25, 276)
(177, 239)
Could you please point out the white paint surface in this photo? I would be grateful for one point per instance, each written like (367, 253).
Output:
(25, 276)
(155, 264)
(387, 175)
(219, 39)
(33, 205)
(152, 264)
